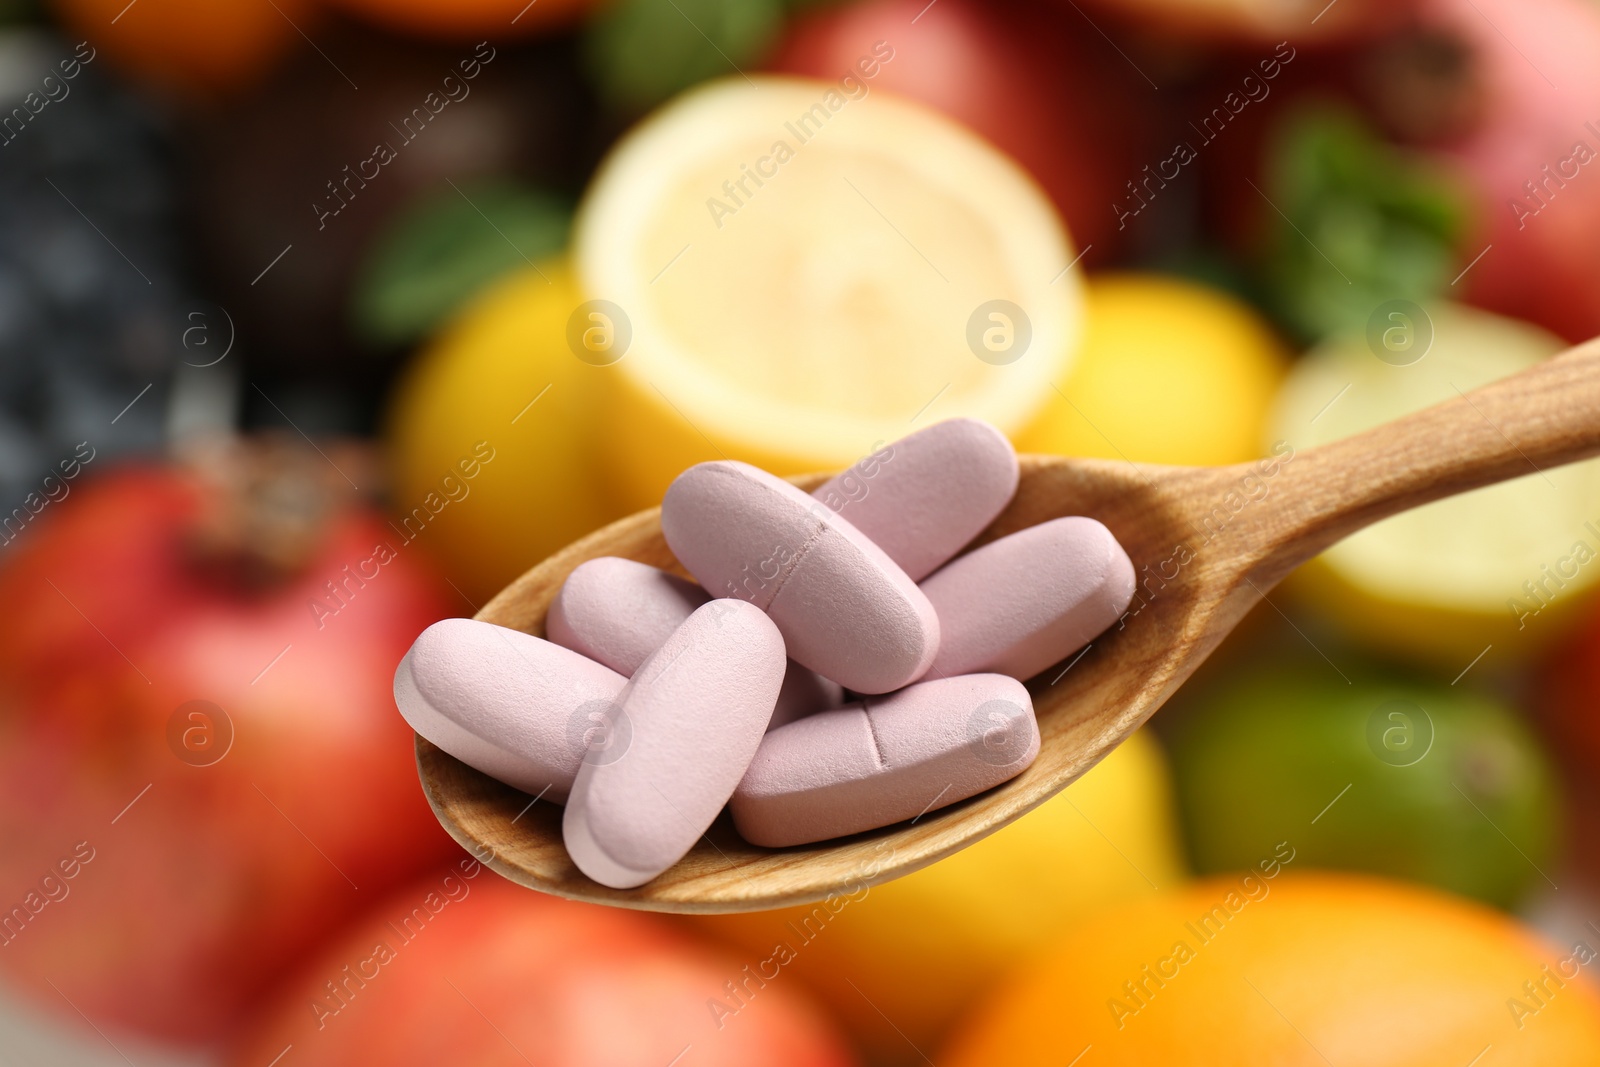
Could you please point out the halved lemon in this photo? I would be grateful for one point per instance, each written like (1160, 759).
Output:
(789, 271)
(1492, 572)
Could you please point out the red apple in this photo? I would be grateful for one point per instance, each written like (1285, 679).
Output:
(1056, 97)
(466, 968)
(164, 860)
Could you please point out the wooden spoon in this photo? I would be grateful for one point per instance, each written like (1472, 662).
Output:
(1208, 544)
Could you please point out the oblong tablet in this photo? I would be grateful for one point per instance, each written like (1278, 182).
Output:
(515, 707)
(845, 609)
(886, 759)
(922, 498)
(618, 611)
(1019, 604)
(691, 718)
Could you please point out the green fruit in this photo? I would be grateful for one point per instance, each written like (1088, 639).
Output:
(1417, 780)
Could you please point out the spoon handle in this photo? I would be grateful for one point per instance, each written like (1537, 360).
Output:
(1543, 417)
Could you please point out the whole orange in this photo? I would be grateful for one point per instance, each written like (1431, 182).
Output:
(1295, 969)
(463, 19)
(191, 47)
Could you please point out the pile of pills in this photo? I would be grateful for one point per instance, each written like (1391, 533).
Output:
(837, 668)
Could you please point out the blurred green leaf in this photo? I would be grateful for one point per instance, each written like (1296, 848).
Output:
(643, 51)
(1363, 222)
(445, 248)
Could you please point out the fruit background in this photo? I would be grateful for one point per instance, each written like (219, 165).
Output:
(297, 301)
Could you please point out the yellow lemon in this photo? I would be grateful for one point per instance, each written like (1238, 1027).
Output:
(492, 436)
(1492, 572)
(1170, 371)
(898, 960)
(788, 272)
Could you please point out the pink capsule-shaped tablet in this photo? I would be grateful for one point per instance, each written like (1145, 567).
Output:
(924, 497)
(845, 609)
(1023, 602)
(517, 708)
(687, 727)
(886, 759)
(618, 611)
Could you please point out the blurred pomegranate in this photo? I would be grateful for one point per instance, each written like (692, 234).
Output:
(201, 769)
(1061, 102)
(1509, 90)
(467, 968)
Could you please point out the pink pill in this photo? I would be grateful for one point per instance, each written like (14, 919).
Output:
(924, 497)
(618, 611)
(886, 759)
(518, 709)
(688, 725)
(1019, 604)
(844, 608)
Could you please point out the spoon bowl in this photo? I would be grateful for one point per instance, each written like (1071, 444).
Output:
(1207, 545)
